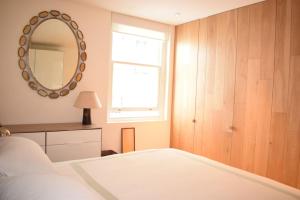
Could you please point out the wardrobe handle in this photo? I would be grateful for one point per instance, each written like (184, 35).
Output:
(230, 129)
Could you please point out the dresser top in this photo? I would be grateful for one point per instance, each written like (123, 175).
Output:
(31, 128)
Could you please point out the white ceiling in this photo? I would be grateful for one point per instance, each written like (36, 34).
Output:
(165, 10)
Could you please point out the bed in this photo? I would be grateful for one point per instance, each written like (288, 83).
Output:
(171, 174)
(164, 174)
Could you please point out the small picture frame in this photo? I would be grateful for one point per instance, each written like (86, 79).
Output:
(127, 139)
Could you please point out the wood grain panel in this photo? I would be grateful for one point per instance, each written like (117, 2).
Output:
(253, 88)
(276, 166)
(185, 77)
(295, 27)
(240, 87)
(291, 158)
(263, 114)
(265, 87)
(268, 39)
(299, 177)
(293, 151)
(284, 155)
(294, 109)
(282, 55)
(249, 78)
(219, 90)
(294, 101)
(200, 93)
(250, 100)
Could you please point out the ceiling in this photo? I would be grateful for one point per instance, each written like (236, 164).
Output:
(169, 11)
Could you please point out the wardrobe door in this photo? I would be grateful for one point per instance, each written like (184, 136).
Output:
(185, 75)
(284, 157)
(200, 94)
(219, 89)
(254, 85)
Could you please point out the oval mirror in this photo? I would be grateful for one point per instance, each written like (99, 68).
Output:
(52, 53)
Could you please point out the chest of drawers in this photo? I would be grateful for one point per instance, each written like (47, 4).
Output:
(64, 141)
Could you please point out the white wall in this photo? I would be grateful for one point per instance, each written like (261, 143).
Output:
(21, 105)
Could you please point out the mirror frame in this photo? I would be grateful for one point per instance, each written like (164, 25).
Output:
(23, 53)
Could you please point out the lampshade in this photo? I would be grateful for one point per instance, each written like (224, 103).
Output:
(87, 99)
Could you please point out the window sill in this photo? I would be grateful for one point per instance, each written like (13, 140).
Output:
(133, 120)
(130, 117)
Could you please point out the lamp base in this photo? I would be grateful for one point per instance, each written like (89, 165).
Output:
(86, 118)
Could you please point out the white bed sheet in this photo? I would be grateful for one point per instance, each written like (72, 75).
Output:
(169, 174)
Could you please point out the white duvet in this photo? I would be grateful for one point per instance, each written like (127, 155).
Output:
(26, 173)
(170, 174)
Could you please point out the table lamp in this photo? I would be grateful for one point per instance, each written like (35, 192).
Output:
(87, 100)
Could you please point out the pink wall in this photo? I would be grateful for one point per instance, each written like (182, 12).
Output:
(19, 104)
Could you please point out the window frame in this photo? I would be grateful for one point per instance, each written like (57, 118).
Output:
(161, 108)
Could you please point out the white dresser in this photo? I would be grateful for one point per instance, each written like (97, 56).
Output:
(64, 141)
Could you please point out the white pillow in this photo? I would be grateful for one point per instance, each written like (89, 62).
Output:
(44, 187)
(20, 156)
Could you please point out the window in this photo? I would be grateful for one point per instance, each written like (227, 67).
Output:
(138, 74)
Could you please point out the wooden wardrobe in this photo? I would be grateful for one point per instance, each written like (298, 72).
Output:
(237, 89)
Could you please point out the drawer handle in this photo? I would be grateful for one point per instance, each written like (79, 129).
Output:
(70, 143)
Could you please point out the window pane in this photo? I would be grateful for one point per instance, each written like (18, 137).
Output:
(135, 86)
(136, 49)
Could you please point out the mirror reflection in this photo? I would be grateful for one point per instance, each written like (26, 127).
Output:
(53, 54)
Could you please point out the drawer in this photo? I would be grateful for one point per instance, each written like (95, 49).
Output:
(58, 153)
(38, 137)
(43, 148)
(73, 137)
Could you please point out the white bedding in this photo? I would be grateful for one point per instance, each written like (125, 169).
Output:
(26, 173)
(172, 174)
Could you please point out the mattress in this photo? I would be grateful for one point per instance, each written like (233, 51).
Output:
(164, 174)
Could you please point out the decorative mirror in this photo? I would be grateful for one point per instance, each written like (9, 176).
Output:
(52, 54)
